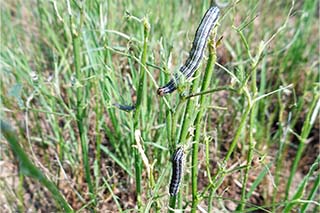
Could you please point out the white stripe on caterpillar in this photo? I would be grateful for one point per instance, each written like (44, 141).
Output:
(196, 53)
(177, 169)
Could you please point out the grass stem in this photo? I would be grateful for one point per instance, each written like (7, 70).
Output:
(80, 111)
(140, 107)
(195, 148)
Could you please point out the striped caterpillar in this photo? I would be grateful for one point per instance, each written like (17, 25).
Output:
(196, 52)
(177, 167)
(125, 107)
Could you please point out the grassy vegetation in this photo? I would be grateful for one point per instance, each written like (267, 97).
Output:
(248, 121)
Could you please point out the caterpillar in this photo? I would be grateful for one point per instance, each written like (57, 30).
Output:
(196, 53)
(124, 107)
(177, 169)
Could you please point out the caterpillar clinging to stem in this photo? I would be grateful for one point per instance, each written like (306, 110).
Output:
(196, 53)
(177, 170)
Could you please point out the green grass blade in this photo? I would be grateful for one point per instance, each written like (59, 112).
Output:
(27, 168)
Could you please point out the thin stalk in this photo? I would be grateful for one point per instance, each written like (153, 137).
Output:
(175, 116)
(60, 144)
(241, 125)
(143, 66)
(189, 110)
(249, 158)
(212, 91)
(195, 147)
(80, 113)
(137, 113)
(251, 139)
(179, 204)
(172, 203)
(211, 194)
(169, 126)
(152, 183)
(210, 200)
(20, 193)
(98, 110)
(310, 119)
(208, 160)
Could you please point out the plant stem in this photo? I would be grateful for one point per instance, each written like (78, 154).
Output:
(20, 192)
(210, 199)
(80, 113)
(241, 125)
(251, 144)
(137, 113)
(188, 114)
(249, 158)
(195, 147)
(211, 91)
(99, 115)
(172, 203)
(175, 116)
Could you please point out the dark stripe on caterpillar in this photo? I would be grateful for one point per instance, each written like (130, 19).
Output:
(196, 53)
